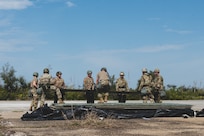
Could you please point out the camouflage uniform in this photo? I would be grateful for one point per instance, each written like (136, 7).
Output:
(157, 86)
(145, 87)
(103, 86)
(121, 86)
(88, 84)
(58, 84)
(34, 86)
(44, 84)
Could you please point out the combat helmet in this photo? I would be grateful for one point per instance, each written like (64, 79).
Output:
(46, 70)
(89, 72)
(144, 70)
(58, 73)
(122, 74)
(104, 68)
(156, 70)
(35, 74)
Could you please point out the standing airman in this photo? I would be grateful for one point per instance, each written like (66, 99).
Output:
(145, 86)
(44, 84)
(34, 87)
(89, 87)
(157, 85)
(58, 84)
(121, 86)
(103, 85)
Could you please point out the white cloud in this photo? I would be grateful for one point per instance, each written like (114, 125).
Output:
(153, 49)
(14, 4)
(117, 59)
(178, 31)
(95, 55)
(16, 39)
(144, 49)
(8, 33)
(70, 4)
(13, 45)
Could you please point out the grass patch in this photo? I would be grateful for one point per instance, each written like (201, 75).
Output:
(91, 120)
(17, 111)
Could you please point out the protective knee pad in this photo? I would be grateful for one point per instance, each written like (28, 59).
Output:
(99, 95)
(106, 94)
(151, 96)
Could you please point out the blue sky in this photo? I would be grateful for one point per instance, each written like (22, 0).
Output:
(74, 36)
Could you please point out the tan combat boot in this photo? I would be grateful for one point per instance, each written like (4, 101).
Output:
(60, 101)
(106, 99)
(101, 100)
(144, 99)
(151, 100)
(35, 108)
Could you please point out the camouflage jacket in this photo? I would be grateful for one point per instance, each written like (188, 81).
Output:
(157, 82)
(88, 83)
(121, 85)
(145, 81)
(34, 83)
(103, 78)
(58, 82)
(45, 79)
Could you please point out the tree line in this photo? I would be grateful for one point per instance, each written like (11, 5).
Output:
(16, 88)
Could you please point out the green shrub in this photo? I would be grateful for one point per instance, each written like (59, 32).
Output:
(182, 95)
(3, 94)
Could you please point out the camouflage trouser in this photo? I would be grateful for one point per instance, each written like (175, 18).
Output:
(147, 94)
(59, 94)
(103, 97)
(103, 92)
(90, 96)
(44, 88)
(121, 95)
(42, 99)
(157, 96)
(34, 102)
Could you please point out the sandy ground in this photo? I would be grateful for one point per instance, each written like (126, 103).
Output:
(11, 124)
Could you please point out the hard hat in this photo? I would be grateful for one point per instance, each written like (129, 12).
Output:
(157, 70)
(144, 70)
(35, 74)
(46, 70)
(122, 74)
(58, 73)
(104, 68)
(89, 72)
